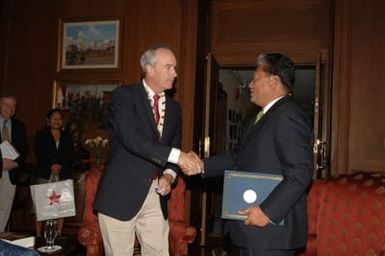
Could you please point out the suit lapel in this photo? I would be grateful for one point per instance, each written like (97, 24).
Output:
(14, 131)
(255, 127)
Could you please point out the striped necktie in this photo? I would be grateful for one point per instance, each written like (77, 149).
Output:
(155, 109)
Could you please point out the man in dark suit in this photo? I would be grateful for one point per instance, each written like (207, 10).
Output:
(13, 131)
(280, 142)
(145, 133)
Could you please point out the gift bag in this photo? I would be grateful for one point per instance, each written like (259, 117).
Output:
(54, 200)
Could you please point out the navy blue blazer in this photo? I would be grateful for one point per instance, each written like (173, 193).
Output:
(280, 143)
(19, 142)
(135, 152)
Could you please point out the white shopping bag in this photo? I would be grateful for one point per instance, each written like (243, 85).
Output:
(54, 200)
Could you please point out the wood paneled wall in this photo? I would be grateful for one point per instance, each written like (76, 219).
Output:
(30, 32)
(358, 127)
(240, 30)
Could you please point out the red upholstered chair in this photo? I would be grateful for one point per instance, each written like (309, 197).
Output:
(313, 204)
(180, 232)
(89, 233)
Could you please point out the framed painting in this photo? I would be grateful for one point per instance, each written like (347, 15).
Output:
(86, 105)
(91, 44)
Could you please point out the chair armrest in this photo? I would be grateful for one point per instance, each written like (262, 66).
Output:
(89, 234)
(181, 234)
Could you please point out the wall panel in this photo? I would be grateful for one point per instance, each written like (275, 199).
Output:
(32, 52)
(242, 29)
(359, 116)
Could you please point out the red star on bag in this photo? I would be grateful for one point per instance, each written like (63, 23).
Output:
(54, 198)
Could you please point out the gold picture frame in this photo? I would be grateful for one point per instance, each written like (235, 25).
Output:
(90, 43)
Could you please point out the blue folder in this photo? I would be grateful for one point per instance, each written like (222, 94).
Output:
(245, 189)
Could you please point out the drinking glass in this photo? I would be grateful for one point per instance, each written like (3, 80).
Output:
(50, 233)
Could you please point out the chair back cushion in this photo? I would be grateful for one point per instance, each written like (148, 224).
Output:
(176, 203)
(351, 219)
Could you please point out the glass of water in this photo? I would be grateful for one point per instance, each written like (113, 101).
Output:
(50, 233)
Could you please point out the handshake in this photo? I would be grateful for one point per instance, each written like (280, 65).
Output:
(190, 163)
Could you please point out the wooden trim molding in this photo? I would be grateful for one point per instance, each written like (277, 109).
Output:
(341, 87)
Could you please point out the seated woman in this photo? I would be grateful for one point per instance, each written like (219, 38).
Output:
(53, 149)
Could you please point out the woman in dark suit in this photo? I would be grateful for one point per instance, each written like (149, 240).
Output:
(53, 149)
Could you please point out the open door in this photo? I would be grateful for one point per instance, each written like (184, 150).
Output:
(312, 94)
(208, 142)
(322, 117)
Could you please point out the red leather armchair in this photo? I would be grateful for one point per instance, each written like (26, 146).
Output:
(181, 234)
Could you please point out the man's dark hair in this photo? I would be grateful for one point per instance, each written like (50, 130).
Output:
(279, 65)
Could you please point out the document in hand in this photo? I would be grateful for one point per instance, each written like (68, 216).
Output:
(8, 151)
(245, 189)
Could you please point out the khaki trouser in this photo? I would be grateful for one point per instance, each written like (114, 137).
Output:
(148, 225)
(7, 193)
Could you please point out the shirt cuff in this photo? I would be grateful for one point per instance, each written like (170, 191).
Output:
(171, 172)
(174, 156)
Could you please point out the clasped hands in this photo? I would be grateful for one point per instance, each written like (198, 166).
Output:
(190, 163)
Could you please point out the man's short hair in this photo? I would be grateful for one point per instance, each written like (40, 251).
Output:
(148, 57)
(279, 65)
(8, 95)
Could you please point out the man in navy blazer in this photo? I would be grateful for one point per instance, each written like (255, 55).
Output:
(280, 142)
(143, 159)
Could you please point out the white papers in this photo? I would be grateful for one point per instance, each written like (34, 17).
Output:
(26, 242)
(18, 239)
(8, 151)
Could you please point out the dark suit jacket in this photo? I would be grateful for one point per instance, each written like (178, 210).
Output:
(47, 154)
(280, 143)
(19, 142)
(135, 152)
